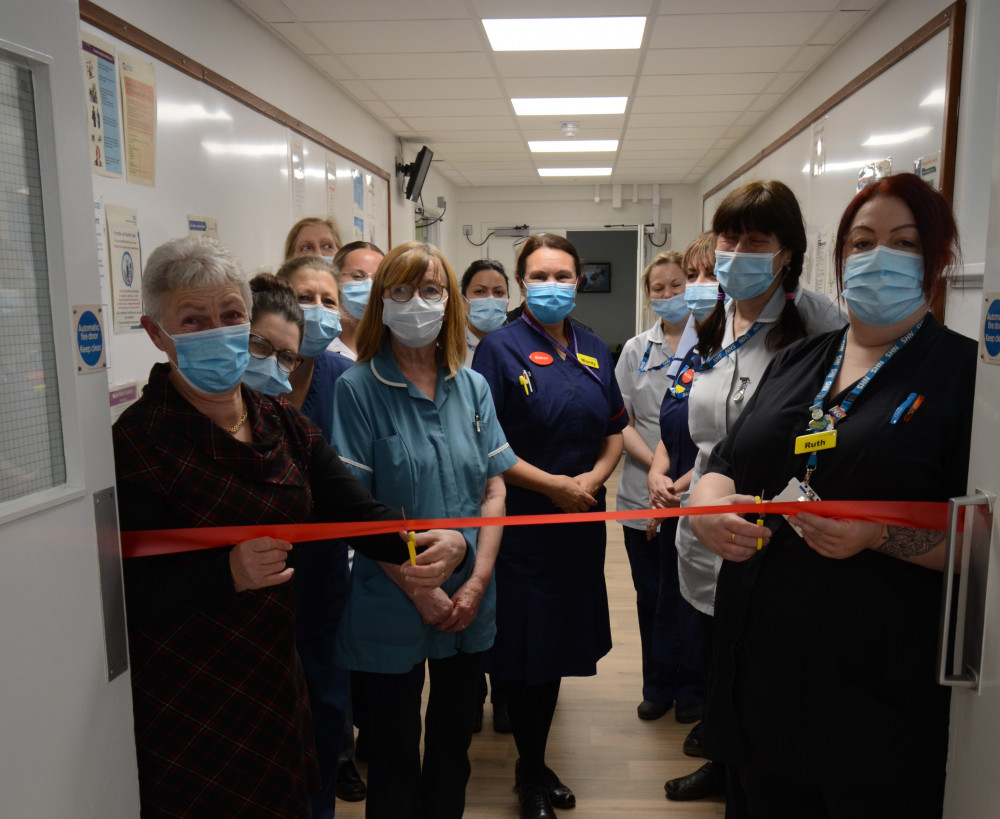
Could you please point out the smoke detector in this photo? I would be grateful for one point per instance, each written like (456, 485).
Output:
(570, 129)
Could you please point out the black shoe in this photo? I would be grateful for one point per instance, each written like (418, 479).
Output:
(708, 780)
(692, 742)
(650, 709)
(477, 720)
(350, 785)
(535, 804)
(685, 712)
(558, 794)
(501, 719)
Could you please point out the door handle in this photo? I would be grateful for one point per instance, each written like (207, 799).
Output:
(970, 608)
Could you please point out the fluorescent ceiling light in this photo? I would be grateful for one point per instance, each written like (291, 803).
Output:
(936, 97)
(565, 33)
(553, 146)
(574, 171)
(895, 139)
(568, 106)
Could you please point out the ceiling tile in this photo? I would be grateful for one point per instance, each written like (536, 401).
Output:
(480, 149)
(717, 60)
(665, 145)
(665, 85)
(808, 57)
(423, 107)
(300, 37)
(325, 10)
(765, 102)
(454, 89)
(270, 11)
(694, 104)
(566, 63)
(671, 119)
(419, 66)
(569, 87)
(554, 133)
(699, 132)
(474, 136)
(380, 109)
(333, 66)
(439, 124)
(839, 27)
(358, 90)
(560, 8)
(657, 153)
(754, 6)
(735, 30)
(783, 83)
(403, 36)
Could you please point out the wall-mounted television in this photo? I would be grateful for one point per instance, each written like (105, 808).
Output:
(416, 172)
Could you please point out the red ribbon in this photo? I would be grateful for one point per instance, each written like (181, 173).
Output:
(170, 541)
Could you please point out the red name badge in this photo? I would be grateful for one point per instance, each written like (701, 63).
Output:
(540, 358)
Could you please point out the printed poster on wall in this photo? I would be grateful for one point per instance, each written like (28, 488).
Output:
(203, 226)
(370, 197)
(100, 82)
(297, 169)
(331, 187)
(359, 191)
(359, 229)
(124, 268)
(138, 80)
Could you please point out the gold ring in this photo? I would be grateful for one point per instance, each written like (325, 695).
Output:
(733, 537)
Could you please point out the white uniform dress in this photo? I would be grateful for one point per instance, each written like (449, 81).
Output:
(713, 411)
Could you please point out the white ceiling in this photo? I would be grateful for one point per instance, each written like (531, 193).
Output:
(707, 71)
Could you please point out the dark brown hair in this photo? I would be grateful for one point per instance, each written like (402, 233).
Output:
(550, 240)
(768, 207)
(274, 296)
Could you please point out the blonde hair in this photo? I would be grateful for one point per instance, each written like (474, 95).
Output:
(293, 234)
(668, 257)
(406, 264)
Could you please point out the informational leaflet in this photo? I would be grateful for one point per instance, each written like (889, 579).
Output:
(297, 162)
(124, 268)
(138, 80)
(100, 83)
(370, 194)
(331, 187)
(359, 228)
(359, 191)
(203, 226)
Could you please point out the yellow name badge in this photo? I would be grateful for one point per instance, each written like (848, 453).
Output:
(816, 441)
(589, 361)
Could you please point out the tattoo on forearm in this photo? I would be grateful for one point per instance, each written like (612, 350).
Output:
(899, 541)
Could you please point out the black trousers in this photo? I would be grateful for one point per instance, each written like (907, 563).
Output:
(399, 787)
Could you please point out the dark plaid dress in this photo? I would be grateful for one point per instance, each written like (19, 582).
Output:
(221, 715)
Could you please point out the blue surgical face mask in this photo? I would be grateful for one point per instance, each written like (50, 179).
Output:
(882, 286)
(701, 298)
(264, 375)
(354, 296)
(488, 313)
(327, 259)
(322, 327)
(414, 323)
(550, 302)
(671, 310)
(744, 275)
(212, 361)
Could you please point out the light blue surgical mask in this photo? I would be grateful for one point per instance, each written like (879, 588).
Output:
(488, 313)
(354, 296)
(327, 259)
(414, 323)
(883, 286)
(744, 275)
(212, 361)
(550, 302)
(671, 310)
(322, 327)
(701, 298)
(264, 375)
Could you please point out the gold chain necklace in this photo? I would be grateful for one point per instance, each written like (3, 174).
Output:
(243, 419)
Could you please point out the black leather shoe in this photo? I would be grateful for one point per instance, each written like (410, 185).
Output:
(535, 804)
(350, 786)
(708, 780)
(558, 794)
(650, 709)
(686, 712)
(501, 719)
(692, 742)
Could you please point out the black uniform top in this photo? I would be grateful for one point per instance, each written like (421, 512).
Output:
(826, 668)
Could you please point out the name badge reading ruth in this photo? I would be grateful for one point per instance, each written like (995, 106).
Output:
(590, 361)
(816, 441)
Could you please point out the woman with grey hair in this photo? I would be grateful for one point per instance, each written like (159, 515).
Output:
(221, 716)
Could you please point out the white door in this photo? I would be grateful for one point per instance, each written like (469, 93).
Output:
(973, 784)
(66, 741)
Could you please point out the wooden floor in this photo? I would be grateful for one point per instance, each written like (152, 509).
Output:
(614, 762)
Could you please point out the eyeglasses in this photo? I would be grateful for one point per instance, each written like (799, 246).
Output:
(429, 291)
(260, 347)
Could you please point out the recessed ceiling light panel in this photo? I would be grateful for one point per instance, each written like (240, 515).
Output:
(574, 171)
(568, 106)
(552, 146)
(565, 33)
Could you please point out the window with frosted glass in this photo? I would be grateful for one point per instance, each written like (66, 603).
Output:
(31, 446)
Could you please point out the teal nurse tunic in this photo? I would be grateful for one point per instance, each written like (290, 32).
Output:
(432, 459)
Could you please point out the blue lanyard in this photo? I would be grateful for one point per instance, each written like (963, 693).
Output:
(645, 360)
(534, 325)
(732, 348)
(821, 420)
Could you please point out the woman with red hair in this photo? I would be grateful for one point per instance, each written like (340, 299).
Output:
(824, 695)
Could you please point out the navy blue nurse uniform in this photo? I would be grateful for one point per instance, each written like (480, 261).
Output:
(552, 601)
